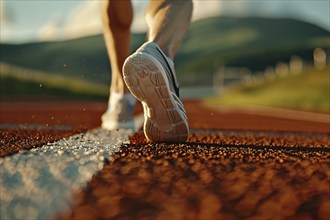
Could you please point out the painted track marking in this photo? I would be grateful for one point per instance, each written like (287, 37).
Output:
(36, 183)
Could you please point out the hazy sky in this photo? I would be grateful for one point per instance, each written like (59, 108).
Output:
(23, 21)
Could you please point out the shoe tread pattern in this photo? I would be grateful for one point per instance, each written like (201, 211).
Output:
(146, 82)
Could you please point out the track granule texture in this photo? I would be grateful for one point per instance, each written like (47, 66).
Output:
(212, 176)
(26, 125)
(14, 140)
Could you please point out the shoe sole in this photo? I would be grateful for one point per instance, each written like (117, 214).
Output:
(143, 75)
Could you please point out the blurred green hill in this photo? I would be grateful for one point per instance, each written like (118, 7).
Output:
(307, 91)
(254, 43)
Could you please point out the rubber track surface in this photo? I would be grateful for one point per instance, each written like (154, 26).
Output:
(233, 166)
(213, 176)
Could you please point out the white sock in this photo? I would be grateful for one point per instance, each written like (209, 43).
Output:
(114, 98)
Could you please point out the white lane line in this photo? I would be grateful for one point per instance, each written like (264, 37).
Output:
(35, 184)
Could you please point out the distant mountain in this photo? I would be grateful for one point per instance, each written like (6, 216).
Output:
(248, 42)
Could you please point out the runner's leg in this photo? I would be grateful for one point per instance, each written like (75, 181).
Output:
(168, 21)
(117, 18)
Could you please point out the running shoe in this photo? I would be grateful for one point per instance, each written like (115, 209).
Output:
(119, 114)
(151, 78)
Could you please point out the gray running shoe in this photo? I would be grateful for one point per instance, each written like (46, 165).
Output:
(150, 76)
